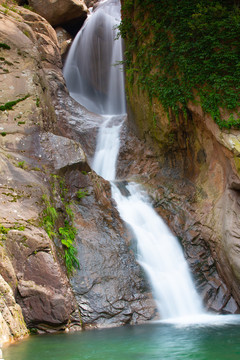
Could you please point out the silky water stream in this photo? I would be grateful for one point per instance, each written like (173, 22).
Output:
(185, 331)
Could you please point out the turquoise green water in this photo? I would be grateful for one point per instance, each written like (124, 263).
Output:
(144, 342)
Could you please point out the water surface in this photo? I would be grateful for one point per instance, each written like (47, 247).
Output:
(142, 342)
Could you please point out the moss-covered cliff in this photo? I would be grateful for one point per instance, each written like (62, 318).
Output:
(182, 80)
(183, 51)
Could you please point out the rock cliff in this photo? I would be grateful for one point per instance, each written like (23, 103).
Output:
(47, 187)
(191, 167)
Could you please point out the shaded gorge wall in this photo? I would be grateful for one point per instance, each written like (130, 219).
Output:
(190, 162)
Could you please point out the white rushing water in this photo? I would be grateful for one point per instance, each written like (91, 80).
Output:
(93, 72)
(96, 83)
(160, 255)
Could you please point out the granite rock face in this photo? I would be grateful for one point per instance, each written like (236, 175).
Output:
(190, 168)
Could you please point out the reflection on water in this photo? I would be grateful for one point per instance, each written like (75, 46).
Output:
(144, 342)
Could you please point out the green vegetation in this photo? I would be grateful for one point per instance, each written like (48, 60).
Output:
(9, 7)
(3, 133)
(50, 216)
(185, 50)
(9, 105)
(59, 223)
(26, 33)
(5, 46)
(21, 164)
(81, 193)
(4, 231)
(28, 7)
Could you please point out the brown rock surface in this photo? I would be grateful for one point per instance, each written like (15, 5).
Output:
(38, 281)
(40, 136)
(60, 12)
(191, 171)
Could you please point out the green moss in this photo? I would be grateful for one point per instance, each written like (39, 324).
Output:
(26, 33)
(81, 193)
(26, 6)
(9, 105)
(21, 164)
(5, 46)
(4, 231)
(176, 50)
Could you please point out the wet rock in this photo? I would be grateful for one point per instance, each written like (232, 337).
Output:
(109, 287)
(42, 137)
(91, 3)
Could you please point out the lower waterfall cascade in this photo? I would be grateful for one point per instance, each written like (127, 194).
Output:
(96, 81)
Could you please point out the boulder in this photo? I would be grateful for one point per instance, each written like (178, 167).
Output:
(61, 152)
(42, 288)
(61, 12)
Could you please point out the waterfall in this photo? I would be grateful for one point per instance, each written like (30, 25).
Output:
(95, 81)
(93, 71)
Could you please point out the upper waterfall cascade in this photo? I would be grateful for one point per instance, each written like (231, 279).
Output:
(96, 80)
(93, 71)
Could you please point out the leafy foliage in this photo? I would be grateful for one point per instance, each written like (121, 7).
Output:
(52, 219)
(68, 233)
(185, 50)
(5, 46)
(81, 193)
